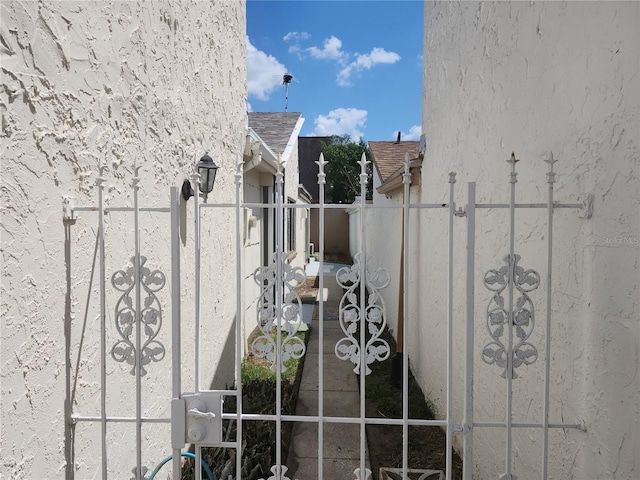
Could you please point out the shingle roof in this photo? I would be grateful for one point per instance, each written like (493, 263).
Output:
(309, 149)
(275, 128)
(388, 157)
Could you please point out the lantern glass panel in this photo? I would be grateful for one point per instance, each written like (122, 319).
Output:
(207, 178)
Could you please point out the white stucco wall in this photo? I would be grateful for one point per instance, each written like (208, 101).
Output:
(84, 82)
(533, 78)
(384, 243)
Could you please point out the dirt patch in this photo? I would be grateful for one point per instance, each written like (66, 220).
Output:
(427, 445)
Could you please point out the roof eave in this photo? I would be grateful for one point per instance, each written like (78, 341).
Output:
(292, 141)
(394, 183)
(264, 159)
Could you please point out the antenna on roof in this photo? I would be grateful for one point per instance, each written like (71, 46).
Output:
(286, 80)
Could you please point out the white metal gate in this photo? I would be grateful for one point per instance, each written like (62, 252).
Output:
(196, 417)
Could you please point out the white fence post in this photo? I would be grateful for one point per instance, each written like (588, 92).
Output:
(467, 467)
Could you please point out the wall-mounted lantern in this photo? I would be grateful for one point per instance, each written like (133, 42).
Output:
(207, 171)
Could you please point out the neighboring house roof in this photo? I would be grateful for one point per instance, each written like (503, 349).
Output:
(388, 157)
(270, 134)
(275, 128)
(309, 149)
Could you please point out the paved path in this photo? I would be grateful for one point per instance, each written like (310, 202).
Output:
(341, 397)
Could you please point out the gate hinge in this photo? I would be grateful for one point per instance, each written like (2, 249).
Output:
(196, 418)
(586, 199)
(461, 428)
(68, 212)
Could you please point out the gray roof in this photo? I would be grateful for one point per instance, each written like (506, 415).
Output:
(388, 157)
(275, 128)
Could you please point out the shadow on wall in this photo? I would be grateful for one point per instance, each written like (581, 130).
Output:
(75, 345)
(225, 371)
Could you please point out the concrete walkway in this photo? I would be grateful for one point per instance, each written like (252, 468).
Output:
(340, 395)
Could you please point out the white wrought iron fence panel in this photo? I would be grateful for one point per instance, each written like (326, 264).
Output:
(510, 322)
(131, 295)
(197, 417)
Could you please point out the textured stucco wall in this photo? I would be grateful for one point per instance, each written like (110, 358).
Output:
(539, 77)
(83, 82)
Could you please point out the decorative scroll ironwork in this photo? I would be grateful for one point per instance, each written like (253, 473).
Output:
(522, 316)
(278, 472)
(348, 348)
(290, 313)
(150, 316)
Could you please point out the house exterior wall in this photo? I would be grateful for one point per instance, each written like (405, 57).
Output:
(384, 244)
(291, 185)
(533, 78)
(336, 230)
(85, 82)
(252, 251)
(302, 235)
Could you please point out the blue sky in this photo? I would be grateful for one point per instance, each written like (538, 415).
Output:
(357, 65)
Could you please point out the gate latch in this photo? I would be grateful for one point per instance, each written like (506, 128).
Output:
(196, 418)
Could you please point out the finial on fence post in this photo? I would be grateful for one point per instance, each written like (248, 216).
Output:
(279, 172)
(238, 175)
(363, 169)
(407, 169)
(513, 160)
(363, 164)
(321, 175)
(551, 175)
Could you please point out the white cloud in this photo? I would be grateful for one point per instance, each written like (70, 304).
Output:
(331, 50)
(341, 121)
(264, 73)
(414, 133)
(365, 62)
(249, 107)
(295, 36)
